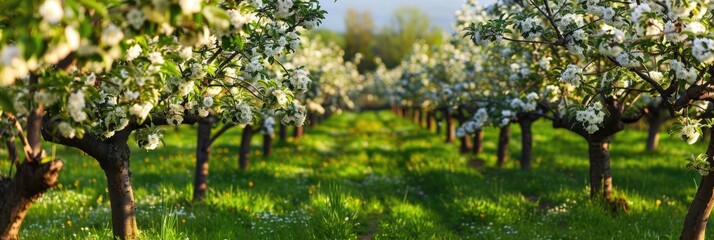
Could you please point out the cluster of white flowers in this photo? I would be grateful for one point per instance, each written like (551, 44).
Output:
(530, 27)
(506, 116)
(112, 35)
(75, 106)
(474, 124)
(703, 50)
(254, 65)
(269, 125)
(611, 46)
(281, 97)
(591, 117)
(682, 72)
(115, 120)
(189, 7)
(152, 141)
(175, 114)
(51, 11)
(66, 130)
(529, 105)
(239, 19)
(691, 130)
(300, 80)
(141, 111)
(242, 113)
(13, 65)
(136, 18)
(295, 115)
(544, 63)
(283, 8)
(133, 52)
(629, 60)
(572, 75)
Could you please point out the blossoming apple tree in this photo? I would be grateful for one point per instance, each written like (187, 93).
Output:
(614, 51)
(87, 74)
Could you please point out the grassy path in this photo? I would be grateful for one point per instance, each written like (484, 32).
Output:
(374, 176)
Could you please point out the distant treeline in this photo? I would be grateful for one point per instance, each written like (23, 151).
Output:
(389, 43)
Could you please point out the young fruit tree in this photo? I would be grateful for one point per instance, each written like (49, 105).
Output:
(88, 74)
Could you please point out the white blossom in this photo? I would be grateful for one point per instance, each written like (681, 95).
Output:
(51, 11)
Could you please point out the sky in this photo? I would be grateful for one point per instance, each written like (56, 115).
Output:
(440, 11)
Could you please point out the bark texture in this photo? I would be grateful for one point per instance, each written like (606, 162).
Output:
(600, 176)
(695, 223)
(203, 151)
(17, 194)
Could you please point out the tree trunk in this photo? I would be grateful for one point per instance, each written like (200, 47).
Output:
(465, 146)
(478, 142)
(203, 150)
(416, 115)
(313, 119)
(121, 193)
(283, 132)
(600, 176)
(32, 178)
(695, 223)
(405, 112)
(438, 126)
(267, 144)
(502, 151)
(450, 128)
(298, 132)
(244, 151)
(429, 121)
(654, 123)
(526, 144)
(17, 194)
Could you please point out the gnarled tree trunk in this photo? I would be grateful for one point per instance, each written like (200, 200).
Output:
(478, 142)
(504, 136)
(600, 176)
(526, 144)
(203, 151)
(695, 223)
(244, 151)
(113, 156)
(32, 177)
(17, 194)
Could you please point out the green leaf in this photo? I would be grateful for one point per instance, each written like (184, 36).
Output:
(171, 69)
(97, 6)
(6, 101)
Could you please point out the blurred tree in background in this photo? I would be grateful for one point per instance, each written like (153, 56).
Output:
(391, 43)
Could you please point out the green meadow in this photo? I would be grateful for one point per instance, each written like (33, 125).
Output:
(373, 175)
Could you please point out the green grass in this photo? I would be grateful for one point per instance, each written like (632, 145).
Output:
(373, 175)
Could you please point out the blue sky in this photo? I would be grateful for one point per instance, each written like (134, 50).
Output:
(440, 11)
